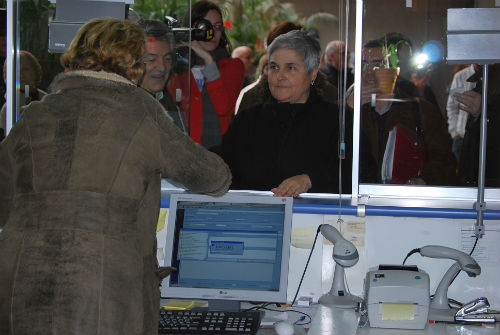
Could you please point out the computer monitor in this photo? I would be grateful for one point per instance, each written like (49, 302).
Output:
(228, 249)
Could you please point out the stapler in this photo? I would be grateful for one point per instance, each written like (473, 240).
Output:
(477, 311)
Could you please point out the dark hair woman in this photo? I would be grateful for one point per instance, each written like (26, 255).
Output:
(215, 79)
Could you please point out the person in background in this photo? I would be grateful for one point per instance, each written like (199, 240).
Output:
(215, 79)
(30, 73)
(457, 117)
(3, 49)
(289, 143)
(246, 55)
(334, 69)
(158, 57)
(262, 67)
(281, 28)
(471, 102)
(322, 61)
(260, 92)
(417, 119)
(80, 179)
(262, 73)
(411, 80)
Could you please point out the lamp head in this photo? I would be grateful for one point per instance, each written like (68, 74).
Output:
(466, 262)
(344, 252)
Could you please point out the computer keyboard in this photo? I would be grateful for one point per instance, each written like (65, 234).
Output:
(208, 322)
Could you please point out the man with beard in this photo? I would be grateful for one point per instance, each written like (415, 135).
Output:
(158, 59)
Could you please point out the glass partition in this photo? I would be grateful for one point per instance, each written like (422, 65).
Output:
(418, 130)
(398, 32)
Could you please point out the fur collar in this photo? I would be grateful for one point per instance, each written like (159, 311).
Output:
(67, 79)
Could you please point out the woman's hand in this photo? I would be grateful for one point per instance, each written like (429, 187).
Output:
(470, 101)
(293, 186)
(163, 271)
(198, 49)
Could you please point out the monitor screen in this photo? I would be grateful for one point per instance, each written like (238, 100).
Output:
(232, 248)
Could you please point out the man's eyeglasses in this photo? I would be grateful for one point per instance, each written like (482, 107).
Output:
(373, 64)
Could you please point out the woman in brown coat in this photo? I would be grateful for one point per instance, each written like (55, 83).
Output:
(80, 193)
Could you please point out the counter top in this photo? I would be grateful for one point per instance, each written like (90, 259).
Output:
(335, 321)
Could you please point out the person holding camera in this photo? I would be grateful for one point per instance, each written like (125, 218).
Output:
(215, 79)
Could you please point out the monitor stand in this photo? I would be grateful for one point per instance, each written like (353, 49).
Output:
(224, 305)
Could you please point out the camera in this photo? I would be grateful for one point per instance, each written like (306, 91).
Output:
(202, 30)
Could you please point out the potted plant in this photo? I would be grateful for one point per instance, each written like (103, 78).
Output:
(388, 74)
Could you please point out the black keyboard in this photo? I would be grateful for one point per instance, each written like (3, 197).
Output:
(208, 322)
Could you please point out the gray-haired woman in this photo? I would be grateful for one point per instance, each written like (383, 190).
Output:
(293, 66)
(289, 144)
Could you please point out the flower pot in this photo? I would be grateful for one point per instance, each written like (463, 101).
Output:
(386, 79)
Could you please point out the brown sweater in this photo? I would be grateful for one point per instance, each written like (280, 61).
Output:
(80, 178)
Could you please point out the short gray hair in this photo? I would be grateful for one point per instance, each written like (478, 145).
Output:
(301, 42)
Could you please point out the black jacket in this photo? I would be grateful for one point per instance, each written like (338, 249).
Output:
(468, 169)
(266, 144)
(332, 74)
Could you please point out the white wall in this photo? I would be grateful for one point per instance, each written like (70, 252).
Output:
(387, 240)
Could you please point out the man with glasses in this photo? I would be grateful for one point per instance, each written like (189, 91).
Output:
(405, 132)
(158, 59)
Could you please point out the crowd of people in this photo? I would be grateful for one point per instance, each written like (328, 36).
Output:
(205, 97)
(80, 170)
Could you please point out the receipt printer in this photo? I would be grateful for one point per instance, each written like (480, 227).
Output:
(397, 297)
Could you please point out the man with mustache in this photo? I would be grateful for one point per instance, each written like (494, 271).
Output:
(158, 57)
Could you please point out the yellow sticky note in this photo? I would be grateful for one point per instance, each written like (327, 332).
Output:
(398, 312)
(184, 304)
(303, 237)
(179, 304)
(161, 219)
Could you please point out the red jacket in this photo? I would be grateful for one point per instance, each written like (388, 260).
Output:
(223, 93)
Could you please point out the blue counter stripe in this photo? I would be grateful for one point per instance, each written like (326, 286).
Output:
(324, 209)
(422, 212)
(448, 213)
